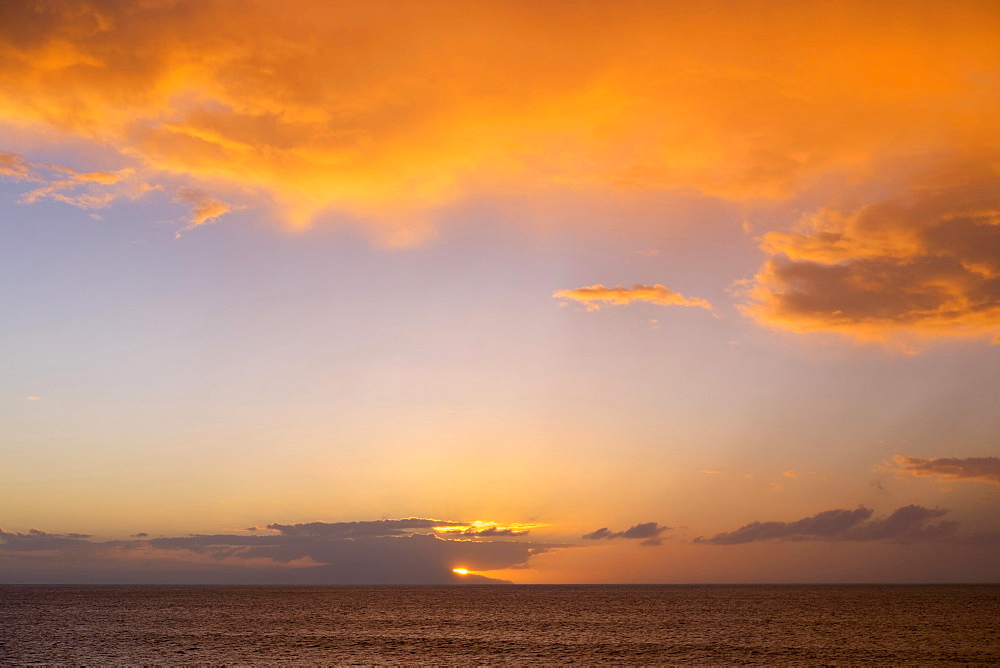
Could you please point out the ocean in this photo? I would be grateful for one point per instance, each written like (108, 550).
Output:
(500, 624)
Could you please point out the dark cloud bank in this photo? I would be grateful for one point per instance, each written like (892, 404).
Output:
(403, 551)
(649, 532)
(908, 524)
(981, 469)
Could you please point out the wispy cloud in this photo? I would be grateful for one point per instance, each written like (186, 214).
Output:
(86, 190)
(15, 166)
(596, 296)
(980, 469)
(205, 208)
(907, 524)
(487, 529)
(650, 533)
(97, 190)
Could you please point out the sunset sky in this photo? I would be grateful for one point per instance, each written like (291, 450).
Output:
(364, 292)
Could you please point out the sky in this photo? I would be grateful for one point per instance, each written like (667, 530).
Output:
(562, 292)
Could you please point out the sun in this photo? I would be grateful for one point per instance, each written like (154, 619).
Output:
(460, 571)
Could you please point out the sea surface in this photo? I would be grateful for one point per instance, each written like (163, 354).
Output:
(500, 624)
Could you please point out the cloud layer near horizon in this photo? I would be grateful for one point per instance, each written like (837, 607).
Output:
(406, 551)
(907, 524)
(650, 533)
(401, 551)
(981, 469)
(384, 111)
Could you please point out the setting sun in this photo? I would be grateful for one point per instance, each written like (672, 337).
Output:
(460, 571)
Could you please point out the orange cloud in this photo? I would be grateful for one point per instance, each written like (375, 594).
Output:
(385, 111)
(596, 296)
(925, 264)
(982, 469)
(205, 208)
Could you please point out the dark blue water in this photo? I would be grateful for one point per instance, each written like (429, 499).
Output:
(518, 625)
